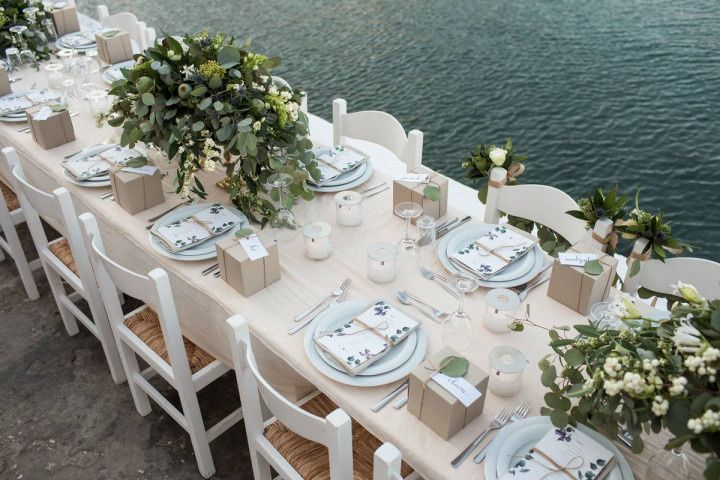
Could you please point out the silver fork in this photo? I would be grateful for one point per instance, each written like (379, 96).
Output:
(520, 413)
(437, 313)
(440, 279)
(335, 293)
(300, 325)
(498, 422)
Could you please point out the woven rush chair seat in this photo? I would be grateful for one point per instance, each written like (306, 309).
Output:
(10, 198)
(61, 249)
(146, 325)
(311, 459)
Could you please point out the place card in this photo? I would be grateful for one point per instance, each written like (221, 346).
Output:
(413, 178)
(145, 170)
(253, 247)
(43, 113)
(458, 387)
(576, 259)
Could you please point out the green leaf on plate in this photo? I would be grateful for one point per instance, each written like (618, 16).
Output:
(454, 366)
(593, 267)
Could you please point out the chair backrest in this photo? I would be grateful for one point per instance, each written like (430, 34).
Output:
(380, 128)
(540, 203)
(128, 22)
(333, 431)
(153, 290)
(660, 277)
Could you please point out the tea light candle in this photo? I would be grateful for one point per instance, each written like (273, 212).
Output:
(381, 262)
(502, 305)
(53, 72)
(316, 236)
(506, 369)
(348, 205)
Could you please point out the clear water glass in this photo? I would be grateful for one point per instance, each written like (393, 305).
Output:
(12, 56)
(283, 225)
(67, 58)
(96, 64)
(457, 329)
(70, 92)
(407, 246)
(426, 239)
(49, 29)
(80, 70)
(18, 39)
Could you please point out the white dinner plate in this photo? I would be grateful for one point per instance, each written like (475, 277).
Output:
(95, 182)
(350, 310)
(345, 186)
(343, 178)
(205, 250)
(397, 355)
(115, 68)
(531, 263)
(517, 438)
(18, 116)
(79, 40)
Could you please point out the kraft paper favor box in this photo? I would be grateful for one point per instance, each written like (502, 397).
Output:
(435, 406)
(114, 46)
(137, 192)
(241, 273)
(66, 19)
(414, 192)
(577, 289)
(4, 83)
(56, 130)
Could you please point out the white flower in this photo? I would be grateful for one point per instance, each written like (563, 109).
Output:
(497, 156)
(613, 387)
(257, 125)
(693, 363)
(285, 95)
(686, 337)
(710, 354)
(612, 366)
(660, 406)
(678, 386)
(695, 424)
(272, 90)
(688, 292)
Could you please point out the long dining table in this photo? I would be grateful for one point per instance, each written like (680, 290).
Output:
(205, 302)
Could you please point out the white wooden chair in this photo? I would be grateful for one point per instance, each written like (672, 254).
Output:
(139, 31)
(377, 127)
(660, 277)
(11, 215)
(65, 259)
(542, 204)
(153, 333)
(315, 439)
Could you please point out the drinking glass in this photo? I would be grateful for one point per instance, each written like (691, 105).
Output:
(18, 38)
(426, 239)
(457, 329)
(67, 57)
(70, 92)
(80, 70)
(407, 262)
(506, 370)
(97, 65)
(12, 55)
(283, 224)
(668, 465)
(49, 29)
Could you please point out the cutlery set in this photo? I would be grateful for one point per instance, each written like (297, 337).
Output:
(338, 295)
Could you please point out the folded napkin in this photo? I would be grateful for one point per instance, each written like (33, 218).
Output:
(359, 343)
(195, 229)
(23, 102)
(494, 251)
(42, 96)
(563, 454)
(100, 164)
(120, 155)
(335, 162)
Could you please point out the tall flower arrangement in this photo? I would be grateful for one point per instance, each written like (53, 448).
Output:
(11, 14)
(207, 101)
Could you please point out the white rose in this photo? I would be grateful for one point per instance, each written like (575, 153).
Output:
(497, 156)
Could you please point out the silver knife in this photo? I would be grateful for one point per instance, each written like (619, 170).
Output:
(445, 230)
(389, 397)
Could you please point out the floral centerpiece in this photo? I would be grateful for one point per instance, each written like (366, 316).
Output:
(12, 14)
(602, 205)
(642, 376)
(206, 101)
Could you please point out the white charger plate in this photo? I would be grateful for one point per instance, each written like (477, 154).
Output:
(106, 74)
(517, 438)
(531, 263)
(349, 310)
(397, 355)
(95, 182)
(66, 41)
(205, 250)
(345, 186)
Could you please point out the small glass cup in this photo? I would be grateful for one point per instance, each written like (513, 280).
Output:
(49, 29)
(381, 265)
(54, 75)
(408, 250)
(502, 305)
(426, 239)
(12, 55)
(282, 225)
(457, 329)
(99, 101)
(67, 58)
(316, 238)
(96, 64)
(506, 370)
(348, 206)
(80, 70)
(70, 92)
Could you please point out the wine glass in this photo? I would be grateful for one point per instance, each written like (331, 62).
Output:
(282, 225)
(26, 55)
(668, 464)
(407, 260)
(457, 327)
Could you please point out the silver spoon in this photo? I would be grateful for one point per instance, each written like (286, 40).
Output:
(405, 300)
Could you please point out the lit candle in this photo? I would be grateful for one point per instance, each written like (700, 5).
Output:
(316, 236)
(348, 205)
(502, 307)
(53, 72)
(506, 369)
(381, 262)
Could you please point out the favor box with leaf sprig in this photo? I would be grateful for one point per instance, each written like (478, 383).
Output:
(114, 46)
(431, 192)
(248, 262)
(580, 287)
(50, 125)
(444, 412)
(137, 187)
(65, 17)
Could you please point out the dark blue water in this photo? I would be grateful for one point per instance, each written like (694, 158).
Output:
(595, 93)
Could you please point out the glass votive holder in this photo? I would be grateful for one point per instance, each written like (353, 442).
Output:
(506, 369)
(316, 237)
(67, 58)
(382, 262)
(502, 306)
(99, 101)
(348, 206)
(54, 75)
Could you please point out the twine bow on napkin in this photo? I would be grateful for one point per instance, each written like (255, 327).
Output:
(572, 464)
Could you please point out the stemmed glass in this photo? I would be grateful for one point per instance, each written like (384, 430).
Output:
(407, 245)
(283, 224)
(12, 56)
(457, 327)
(18, 31)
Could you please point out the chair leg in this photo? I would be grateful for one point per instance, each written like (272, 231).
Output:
(21, 264)
(129, 361)
(198, 434)
(260, 466)
(58, 291)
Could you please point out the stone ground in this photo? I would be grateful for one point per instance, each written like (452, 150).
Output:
(62, 416)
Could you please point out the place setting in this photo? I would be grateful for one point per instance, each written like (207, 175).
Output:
(92, 166)
(113, 73)
(13, 106)
(341, 168)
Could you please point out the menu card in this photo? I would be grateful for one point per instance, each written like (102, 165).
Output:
(95, 165)
(20, 103)
(195, 229)
(365, 339)
(493, 252)
(334, 162)
(563, 454)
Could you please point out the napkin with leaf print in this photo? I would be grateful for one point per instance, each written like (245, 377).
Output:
(195, 229)
(493, 252)
(333, 163)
